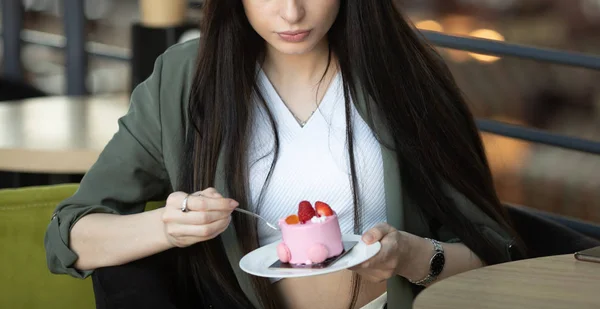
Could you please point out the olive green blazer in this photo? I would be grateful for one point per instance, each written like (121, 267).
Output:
(141, 163)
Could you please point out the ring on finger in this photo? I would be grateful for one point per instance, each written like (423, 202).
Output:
(184, 207)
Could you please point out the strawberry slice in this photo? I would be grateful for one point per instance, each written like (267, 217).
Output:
(305, 211)
(323, 209)
(292, 219)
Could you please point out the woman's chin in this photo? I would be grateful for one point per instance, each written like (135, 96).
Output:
(293, 49)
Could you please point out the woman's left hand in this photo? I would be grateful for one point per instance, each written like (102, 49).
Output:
(392, 255)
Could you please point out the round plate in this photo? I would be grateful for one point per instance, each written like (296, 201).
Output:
(258, 261)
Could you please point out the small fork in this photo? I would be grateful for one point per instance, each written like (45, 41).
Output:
(271, 225)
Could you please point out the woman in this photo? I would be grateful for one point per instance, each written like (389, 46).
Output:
(309, 99)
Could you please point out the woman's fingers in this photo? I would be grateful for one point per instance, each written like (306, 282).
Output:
(200, 232)
(207, 200)
(210, 192)
(195, 217)
(377, 233)
(208, 215)
(204, 203)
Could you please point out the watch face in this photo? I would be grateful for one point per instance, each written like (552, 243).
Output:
(437, 264)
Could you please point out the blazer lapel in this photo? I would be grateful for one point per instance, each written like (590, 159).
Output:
(399, 290)
(391, 166)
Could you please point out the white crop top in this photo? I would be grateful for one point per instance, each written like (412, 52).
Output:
(313, 162)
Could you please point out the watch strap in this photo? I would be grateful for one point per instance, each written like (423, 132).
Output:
(432, 276)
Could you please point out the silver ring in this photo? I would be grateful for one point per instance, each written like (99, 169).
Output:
(184, 207)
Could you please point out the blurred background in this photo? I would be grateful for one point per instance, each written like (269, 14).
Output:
(533, 94)
(68, 68)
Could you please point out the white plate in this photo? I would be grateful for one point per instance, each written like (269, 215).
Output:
(258, 261)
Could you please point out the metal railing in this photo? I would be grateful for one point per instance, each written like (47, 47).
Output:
(75, 55)
(77, 51)
(59, 42)
(499, 48)
(12, 23)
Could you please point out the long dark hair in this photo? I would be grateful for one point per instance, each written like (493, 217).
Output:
(434, 134)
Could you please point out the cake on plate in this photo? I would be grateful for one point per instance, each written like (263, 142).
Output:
(311, 236)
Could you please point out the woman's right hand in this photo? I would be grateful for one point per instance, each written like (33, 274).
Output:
(208, 215)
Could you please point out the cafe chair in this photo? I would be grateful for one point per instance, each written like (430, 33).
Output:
(25, 281)
(588, 229)
(546, 234)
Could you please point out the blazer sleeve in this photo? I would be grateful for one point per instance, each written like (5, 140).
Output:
(129, 172)
(491, 230)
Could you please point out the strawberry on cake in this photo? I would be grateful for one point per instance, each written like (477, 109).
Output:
(312, 236)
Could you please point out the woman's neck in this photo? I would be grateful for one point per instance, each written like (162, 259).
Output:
(306, 68)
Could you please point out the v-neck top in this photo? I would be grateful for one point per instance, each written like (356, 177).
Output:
(313, 162)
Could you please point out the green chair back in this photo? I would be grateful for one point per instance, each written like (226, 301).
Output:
(25, 281)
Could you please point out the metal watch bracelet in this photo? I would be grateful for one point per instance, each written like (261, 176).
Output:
(436, 264)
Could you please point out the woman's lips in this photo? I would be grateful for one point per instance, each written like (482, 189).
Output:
(294, 36)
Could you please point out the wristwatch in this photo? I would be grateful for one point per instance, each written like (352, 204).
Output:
(436, 264)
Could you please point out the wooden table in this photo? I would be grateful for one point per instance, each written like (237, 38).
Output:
(57, 135)
(548, 283)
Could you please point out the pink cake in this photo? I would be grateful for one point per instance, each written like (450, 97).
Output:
(310, 237)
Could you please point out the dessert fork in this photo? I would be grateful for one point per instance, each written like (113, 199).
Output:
(271, 225)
